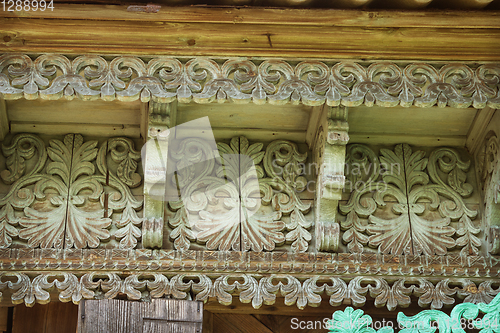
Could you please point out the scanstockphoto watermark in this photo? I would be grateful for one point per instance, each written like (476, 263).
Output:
(420, 325)
(356, 175)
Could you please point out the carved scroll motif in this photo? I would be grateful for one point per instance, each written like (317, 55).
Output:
(220, 205)
(258, 290)
(329, 156)
(488, 161)
(412, 186)
(68, 195)
(204, 80)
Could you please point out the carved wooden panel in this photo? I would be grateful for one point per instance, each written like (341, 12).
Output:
(69, 192)
(408, 201)
(226, 208)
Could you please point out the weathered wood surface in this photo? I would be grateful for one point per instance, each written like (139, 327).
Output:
(416, 126)
(273, 16)
(89, 118)
(247, 32)
(55, 317)
(159, 315)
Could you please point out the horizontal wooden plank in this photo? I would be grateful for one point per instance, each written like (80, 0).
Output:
(273, 16)
(105, 130)
(417, 140)
(265, 40)
(252, 116)
(411, 121)
(74, 111)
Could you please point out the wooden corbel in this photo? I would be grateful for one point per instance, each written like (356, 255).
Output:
(329, 156)
(160, 118)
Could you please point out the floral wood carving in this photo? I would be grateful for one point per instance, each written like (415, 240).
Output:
(221, 203)
(62, 200)
(413, 185)
(204, 80)
(256, 289)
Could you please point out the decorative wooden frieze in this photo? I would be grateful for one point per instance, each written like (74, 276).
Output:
(246, 198)
(488, 161)
(204, 80)
(257, 289)
(329, 157)
(405, 203)
(69, 194)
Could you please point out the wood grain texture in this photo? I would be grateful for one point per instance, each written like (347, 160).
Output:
(160, 315)
(4, 119)
(54, 317)
(286, 33)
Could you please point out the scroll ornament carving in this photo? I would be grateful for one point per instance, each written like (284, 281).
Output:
(488, 161)
(463, 317)
(61, 201)
(205, 80)
(258, 290)
(410, 179)
(223, 182)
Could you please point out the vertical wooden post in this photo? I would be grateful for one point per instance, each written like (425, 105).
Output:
(4, 120)
(329, 155)
(161, 117)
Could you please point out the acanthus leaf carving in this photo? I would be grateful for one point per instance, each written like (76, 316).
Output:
(220, 202)
(417, 187)
(56, 202)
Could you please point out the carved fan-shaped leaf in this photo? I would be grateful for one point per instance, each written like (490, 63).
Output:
(393, 236)
(431, 237)
(219, 231)
(262, 232)
(44, 229)
(400, 236)
(85, 228)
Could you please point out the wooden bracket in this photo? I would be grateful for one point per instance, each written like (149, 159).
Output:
(329, 156)
(161, 117)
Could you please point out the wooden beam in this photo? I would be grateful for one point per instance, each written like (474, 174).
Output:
(4, 120)
(417, 140)
(197, 31)
(272, 16)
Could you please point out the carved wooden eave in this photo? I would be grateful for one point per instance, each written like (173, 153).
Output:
(31, 275)
(205, 80)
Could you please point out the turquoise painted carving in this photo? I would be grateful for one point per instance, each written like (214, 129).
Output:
(463, 317)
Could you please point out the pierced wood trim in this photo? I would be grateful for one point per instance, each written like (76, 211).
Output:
(300, 290)
(204, 80)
